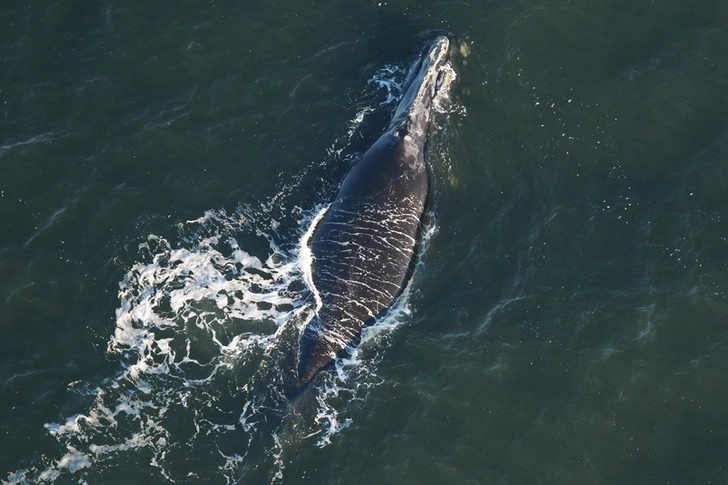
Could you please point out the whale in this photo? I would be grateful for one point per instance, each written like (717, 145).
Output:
(363, 246)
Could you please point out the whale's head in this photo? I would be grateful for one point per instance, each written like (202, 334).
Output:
(429, 79)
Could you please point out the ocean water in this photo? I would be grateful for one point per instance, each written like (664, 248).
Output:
(160, 164)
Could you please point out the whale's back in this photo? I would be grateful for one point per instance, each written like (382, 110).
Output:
(363, 248)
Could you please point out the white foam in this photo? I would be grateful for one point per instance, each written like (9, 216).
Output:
(390, 81)
(306, 257)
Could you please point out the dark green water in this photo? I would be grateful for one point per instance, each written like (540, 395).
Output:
(567, 324)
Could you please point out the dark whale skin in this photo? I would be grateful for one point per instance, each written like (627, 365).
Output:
(363, 247)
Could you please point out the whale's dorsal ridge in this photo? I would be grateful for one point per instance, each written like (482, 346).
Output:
(363, 247)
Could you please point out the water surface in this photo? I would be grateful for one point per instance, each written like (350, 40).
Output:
(159, 163)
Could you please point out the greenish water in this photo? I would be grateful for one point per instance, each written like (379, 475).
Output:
(567, 323)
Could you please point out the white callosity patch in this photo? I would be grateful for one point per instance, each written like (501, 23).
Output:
(442, 102)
